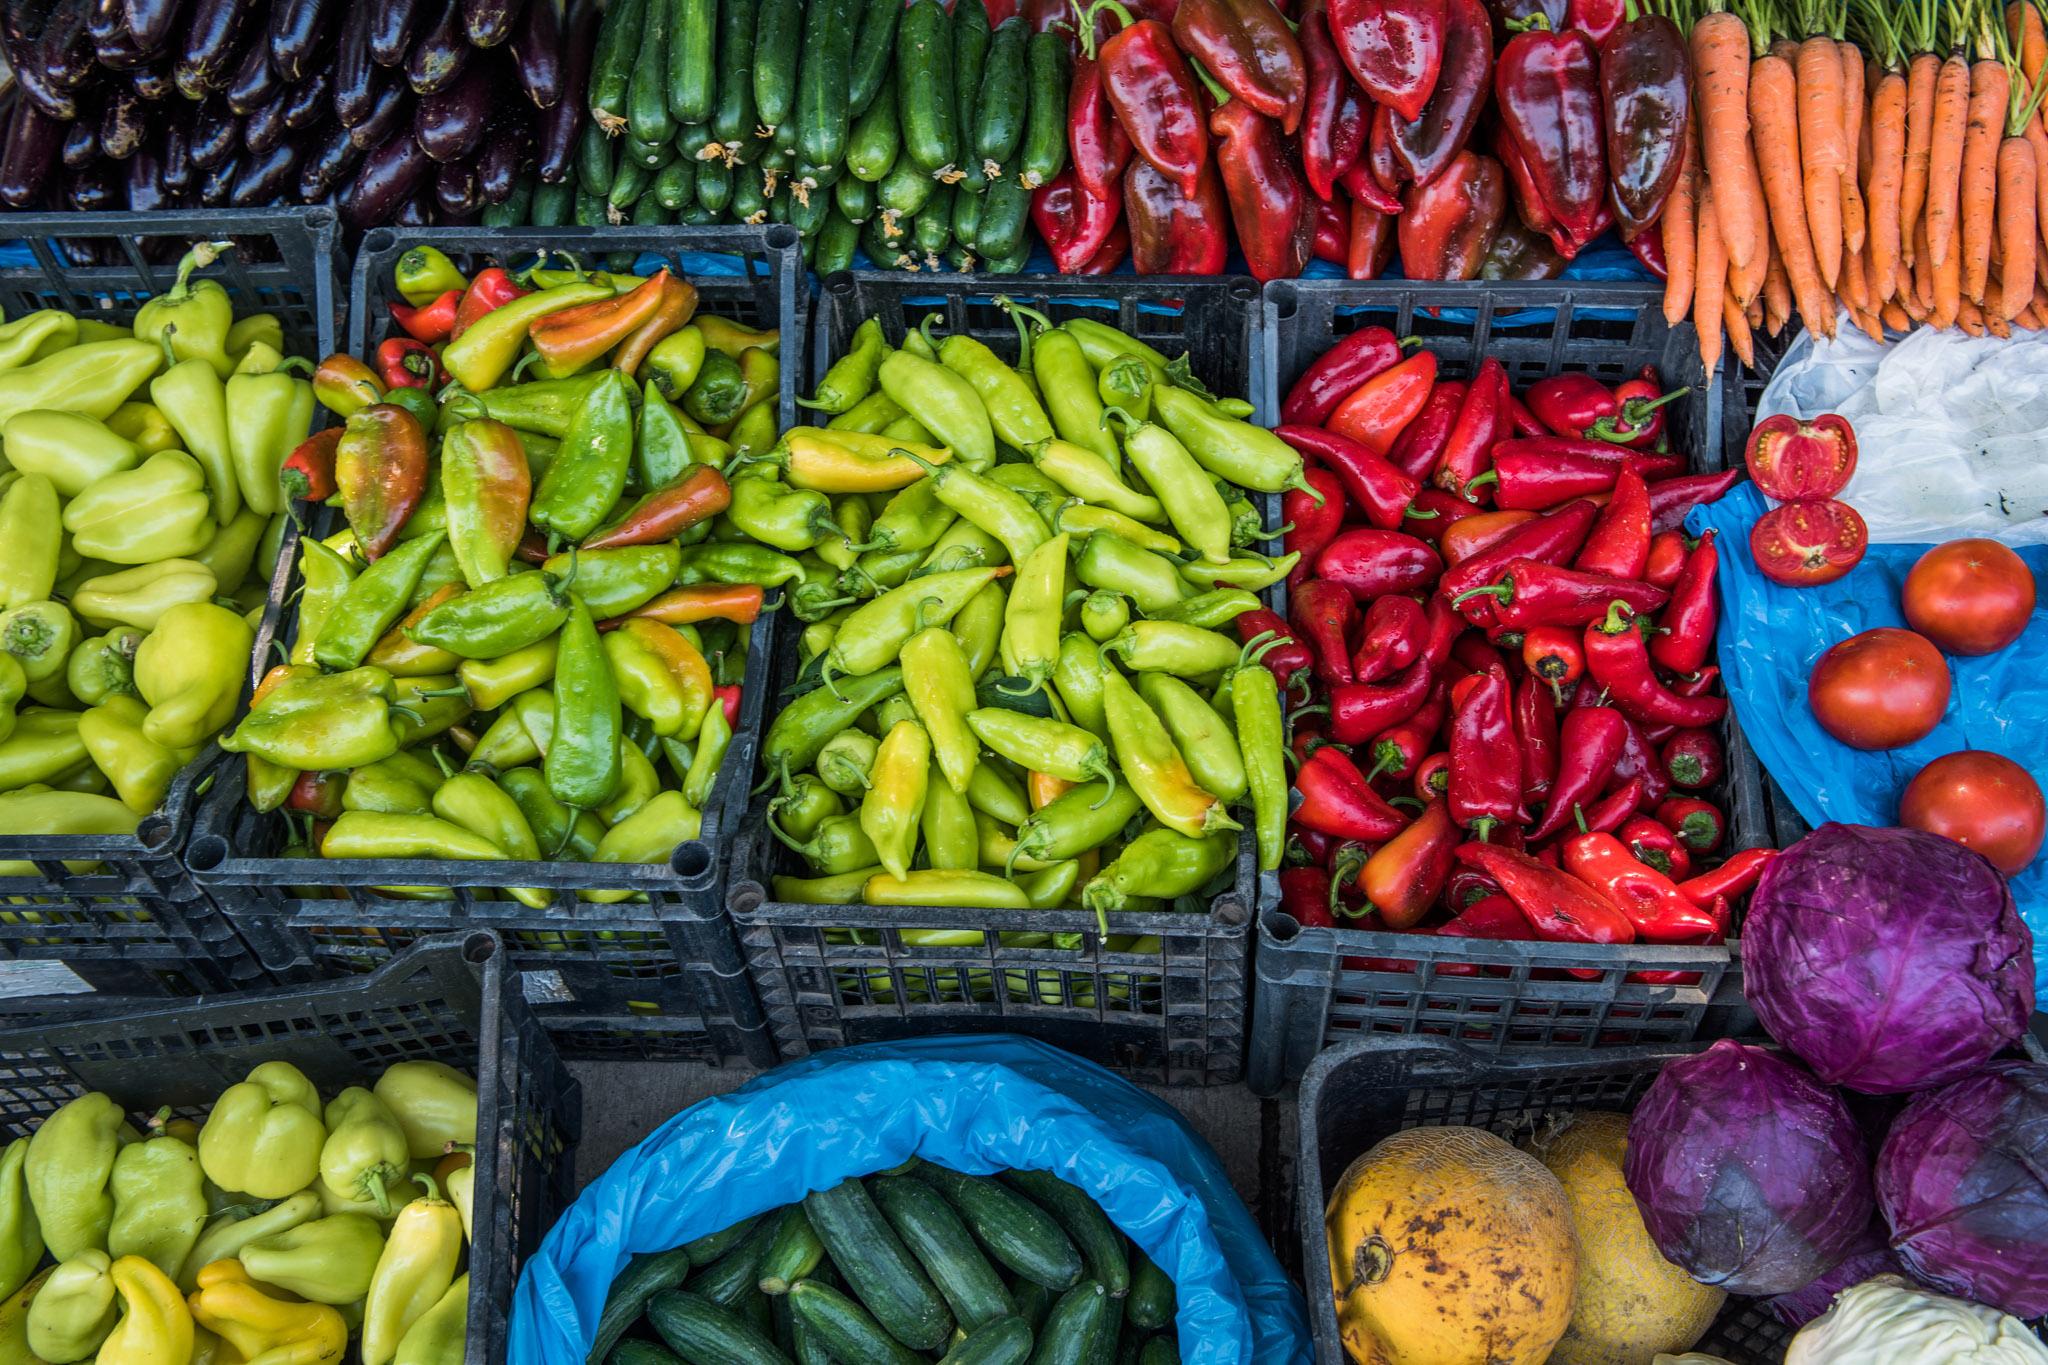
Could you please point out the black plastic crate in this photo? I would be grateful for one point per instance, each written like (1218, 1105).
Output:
(1318, 987)
(452, 999)
(130, 920)
(1174, 1014)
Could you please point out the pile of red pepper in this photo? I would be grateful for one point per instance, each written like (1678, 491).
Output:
(1339, 130)
(1512, 728)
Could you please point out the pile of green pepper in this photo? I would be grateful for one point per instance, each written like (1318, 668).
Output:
(275, 1230)
(527, 641)
(140, 511)
(1017, 690)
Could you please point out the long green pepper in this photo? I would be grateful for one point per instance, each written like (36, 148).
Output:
(583, 766)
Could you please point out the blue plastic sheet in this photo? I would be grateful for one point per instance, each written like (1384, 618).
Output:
(1770, 637)
(976, 1104)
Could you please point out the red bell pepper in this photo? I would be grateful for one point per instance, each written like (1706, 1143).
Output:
(1697, 824)
(1473, 653)
(1730, 879)
(1372, 241)
(1287, 656)
(1570, 403)
(430, 322)
(1422, 442)
(1668, 550)
(1333, 232)
(1594, 18)
(1694, 611)
(1335, 114)
(1269, 203)
(1536, 729)
(1447, 225)
(1368, 562)
(1395, 49)
(1481, 424)
(1338, 801)
(1314, 517)
(1660, 912)
(1172, 234)
(1248, 48)
(1337, 373)
(1554, 654)
(1073, 220)
(1654, 846)
(308, 472)
(403, 363)
(1552, 538)
(317, 794)
(1558, 905)
(1153, 92)
(1638, 761)
(1424, 145)
(1359, 711)
(1486, 758)
(1645, 95)
(1638, 418)
(1693, 759)
(1590, 742)
(1324, 616)
(1493, 917)
(1397, 750)
(1620, 663)
(1376, 487)
(1376, 412)
(1547, 88)
(491, 290)
(1099, 147)
(1671, 499)
(1620, 543)
(1395, 630)
(1405, 876)
(667, 512)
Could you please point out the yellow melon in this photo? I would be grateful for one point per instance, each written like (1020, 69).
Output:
(1632, 1305)
(1450, 1247)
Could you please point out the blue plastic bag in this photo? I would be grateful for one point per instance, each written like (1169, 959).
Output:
(1770, 637)
(976, 1104)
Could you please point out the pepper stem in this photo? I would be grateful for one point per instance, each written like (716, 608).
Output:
(1038, 319)
(426, 1182)
(1108, 774)
(1417, 513)
(1500, 592)
(1491, 476)
(373, 1179)
(201, 255)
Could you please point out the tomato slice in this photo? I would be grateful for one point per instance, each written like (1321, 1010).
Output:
(1794, 461)
(1806, 544)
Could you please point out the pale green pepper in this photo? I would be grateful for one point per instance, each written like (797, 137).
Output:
(158, 510)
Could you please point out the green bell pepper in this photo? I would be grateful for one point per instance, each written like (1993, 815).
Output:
(101, 667)
(435, 1105)
(264, 1135)
(403, 784)
(159, 1203)
(268, 416)
(141, 595)
(328, 1260)
(40, 637)
(192, 317)
(365, 1153)
(30, 530)
(140, 769)
(70, 1160)
(158, 510)
(91, 379)
(75, 1309)
(190, 670)
(72, 451)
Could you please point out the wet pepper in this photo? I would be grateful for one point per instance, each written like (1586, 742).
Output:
(1335, 112)
(1547, 86)
(1558, 905)
(1377, 410)
(1486, 757)
(1153, 93)
(1658, 910)
(1173, 233)
(1645, 93)
(1619, 662)
(1395, 49)
(1423, 146)
(1074, 219)
(1689, 619)
(1248, 48)
(1337, 373)
(1481, 423)
(1447, 225)
(1337, 800)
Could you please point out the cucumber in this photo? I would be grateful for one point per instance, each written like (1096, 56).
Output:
(933, 232)
(726, 1280)
(695, 214)
(966, 215)
(1159, 1351)
(551, 204)
(1150, 1305)
(1016, 1231)
(822, 117)
(906, 190)
(1128, 1346)
(1043, 152)
(873, 141)
(816, 177)
(589, 210)
(878, 1267)
(883, 248)
(960, 259)
(1082, 1219)
(1075, 1327)
(650, 156)
(778, 33)
(714, 185)
(1000, 108)
(848, 1330)
(749, 196)
(733, 119)
(1005, 213)
(692, 69)
(807, 212)
(648, 212)
(793, 1254)
(837, 241)
(594, 166)
(809, 1348)
(778, 205)
(755, 1307)
(648, 117)
(924, 87)
(694, 143)
(675, 184)
(946, 1249)
(644, 1276)
(627, 184)
(855, 198)
(697, 1329)
(612, 62)
(873, 53)
(1034, 1301)
(970, 56)
(1006, 1341)
(641, 1353)
(512, 210)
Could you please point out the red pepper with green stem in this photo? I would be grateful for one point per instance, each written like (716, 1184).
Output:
(1693, 759)
(1619, 546)
(1693, 612)
(1619, 662)
(1394, 48)
(1337, 373)
(1480, 425)
(1486, 757)
(1657, 847)
(1171, 233)
(1538, 473)
(1325, 616)
(1447, 225)
(430, 323)
(1589, 745)
(380, 470)
(1467, 886)
(667, 512)
(1433, 776)
(1315, 517)
(1305, 895)
(403, 363)
(1671, 499)
(1536, 729)
(1269, 203)
(1335, 113)
(1073, 220)
(1359, 711)
(1404, 877)
(1397, 750)
(1731, 879)
(1154, 95)
(1552, 538)
(1558, 905)
(1248, 49)
(1611, 811)
(1547, 88)
(1437, 511)
(1640, 407)
(491, 290)
(1658, 910)
(1424, 145)
(1379, 490)
(1395, 630)
(1099, 147)
(1569, 404)
(1529, 592)
(1338, 801)
(1493, 917)
(308, 472)
(1421, 445)
(1697, 824)
(1556, 655)
(1645, 97)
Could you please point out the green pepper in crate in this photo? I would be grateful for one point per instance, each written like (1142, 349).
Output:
(327, 1260)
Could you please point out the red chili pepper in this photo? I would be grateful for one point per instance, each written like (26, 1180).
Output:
(1529, 592)
(1172, 233)
(1424, 145)
(1422, 443)
(491, 290)
(1433, 776)
(1638, 418)
(1372, 241)
(1287, 656)
(1406, 875)
(1368, 562)
(1668, 551)
(308, 472)
(1547, 88)
(1697, 824)
(1481, 424)
(1492, 917)
(1305, 895)
(1436, 512)
(1660, 912)
(1269, 202)
(1671, 499)
(1249, 49)
(1376, 412)
(1552, 538)
(1655, 846)
(1154, 95)
(1359, 711)
(1337, 374)
(1100, 147)
(1648, 247)
(1522, 421)
(1325, 616)
(1639, 762)
(1073, 220)
(667, 512)
(407, 364)
(1396, 628)
(1116, 249)
(1542, 471)
(1590, 743)
(430, 322)
(1335, 114)
(729, 699)
(1486, 757)
(1559, 906)
(1467, 886)
(1333, 232)
(1554, 654)
(1620, 663)
(1693, 759)
(1694, 611)
(1479, 532)
(1569, 404)
(1620, 543)
(1536, 728)
(1447, 224)
(1337, 800)
(1610, 811)
(1362, 182)
(1731, 878)
(1399, 750)
(1445, 626)
(317, 794)
(1315, 516)
(1395, 49)
(1381, 491)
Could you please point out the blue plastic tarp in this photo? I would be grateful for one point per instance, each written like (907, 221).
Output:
(1770, 637)
(976, 1104)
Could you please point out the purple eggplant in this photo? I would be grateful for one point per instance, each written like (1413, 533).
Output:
(562, 121)
(450, 125)
(177, 166)
(124, 124)
(296, 27)
(455, 188)
(267, 177)
(392, 111)
(211, 30)
(507, 152)
(151, 21)
(66, 48)
(305, 103)
(94, 188)
(21, 23)
(387, 177)
(81, 144)
(391, 28)
(537, 52)
(440, 54)
(152, 82)
(216, 135)
(106, 22)
(330, 156)
(255, 82)
(146, 182)
(217, 184)
(490, 22)
(122, 53)
(28, 157)
(264, 128)
(355, 76)
(416, 210)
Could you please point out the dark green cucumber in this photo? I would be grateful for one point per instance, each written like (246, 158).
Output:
(822, 116)
(1159, 1351)
(511, 211)
(874, 52)
(612, 62)
(628, 183)
(675, 184)
(647, 105)
(966, 215)
(807, 211)
(837, 241)
(780, 160)
(906, 189)
(873, 141)
(779, 205)
(877, 1266)
(726, 1280)
(733, 119)
(778, 39)
(1150, 1305)
(1100, 1244)
(641, 1353)
(699, 1330)
(793, 1254)
(960, 260)
(849, 1331)
(1005, 1341)
(1034, 1301)
(854, 198)
(816, 177)
(885, 250)
(1005, 213)
(924, 87)
(1076, 1326)
(1129, 1345)
(755, 1307)
(551, 204)
(644, 1276)
(1043, 152)
(1016, 1231)
(714, 185)
(590, 210)
(695, 143)
(594, 166)
(692, 69)
(749, 196)
(945, 1248)
(999, 110)
(970, 57)
(809, 1348)
(648, 212)
(695, 214)
(933, 232)
(648, 155)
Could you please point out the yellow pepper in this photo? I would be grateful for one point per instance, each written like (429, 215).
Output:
(415, 1270)
(155, 1326)
(263, 1330)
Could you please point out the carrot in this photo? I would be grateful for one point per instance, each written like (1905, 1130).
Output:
(2023, 24)
(1921, 79)
(1747, 281)
(1990, 88)
(2037, 138)
(1896, 317)
(1853, 140)
(2028, 319)
(1948, 288)
(1720, 59)
(1740, 340)
(1771, 98)
(1945, 156)
(1855, 289)
(1822, 156)
(1712, 284)
(1777, 294)
(1887, 169)
(1678, 228)
(2017, 225)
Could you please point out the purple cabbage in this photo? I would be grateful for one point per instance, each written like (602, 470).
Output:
(1750, 1174)
(1888, 960)
(1869, 1255)
(1962, 1180)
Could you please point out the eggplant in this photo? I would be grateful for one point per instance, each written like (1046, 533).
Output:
(296, 27)
(555, 153)
(152, 82)
(255, 82)
(267, 177)
(21, 23)
(124, 124)
(488, 23)
(105, 23)
(217, 184)
(537, 52)
(65, 52)
(417, 211)
(81, 143)
(146, 182)
(94, 189)
(265, 128)
(216, 135)
(306, 102)
(58, 102)
(450, 125)
(28, 156)
(455, 188)
(505, 157)
(356, 77)
(177, 164)
(386, 179)
(440, 54)
(151, 21)
(330, 156)
(391, 28)
(211, 30)
(392, 111)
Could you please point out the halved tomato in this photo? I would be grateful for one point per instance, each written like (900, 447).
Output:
(1795, 461)
(1806, 544)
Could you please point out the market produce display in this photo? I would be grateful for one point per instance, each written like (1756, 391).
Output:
(526, 618)
(913, 1264)
(139, 511)
(272, 1228)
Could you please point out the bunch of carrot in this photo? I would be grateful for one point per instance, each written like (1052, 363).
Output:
(1891, 177)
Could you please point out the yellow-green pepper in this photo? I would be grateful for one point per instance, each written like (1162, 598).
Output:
(21, 1236)
(70, 1160)
(30, 530)
(35, 335)
(415, 1270)
(75, 1309)
(140, 769)
(92, 378)
(435, 1105)
(158, 510)
(190, 671)
(263, 1330)
(264, 1135)
(140, 596)
(159, 1203)
(74, 452)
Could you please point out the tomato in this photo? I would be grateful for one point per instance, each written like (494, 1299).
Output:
(1795, 461)
(1969, 596)
(1879, 690)
(1982, 801)
(1806, 544)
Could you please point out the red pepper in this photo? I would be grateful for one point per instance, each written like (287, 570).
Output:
(1335, 114)
(1316, 845)
(1671, 499)
(1368, 562)
(1620, 543)
(1486, 758)
(1396, 628)
(1337, 374)
(1648, 247)
(1559, 906)
(1569, 404)
(1447, 224)
(1589, 744)
(1668, 550)
(1337, 800)
(1372, 241)
(407, 364)
(1547, 88)
(345, 386)
(1731, 878)
(1378, 489)
(1422, 443)
(1406, 875)
(1492, 917)
(1690, 619)
(380, 470)
(1395, 49)
(1433, 776)
(1249, 50)
(1638, 418)
(491, 290)
(1467, 886)
(1363, 184)
(1543, 471)
(1445, 626)
(1645, 96)
(1436, 512)
(1656, 847)
(1693, 759)
(1536, 728)
(430, 322)
(1611, 810)
(1325, 616)
(308, 472)
(1423, 146)
(1524, 422)
(1638, 762)
(1552, 538)
(1269, 202)
(1554, 654)
(1376, 411)
(1305, 895)
(1620, 663)
(1659, 911)
(1171, 233)
(1074, 221)
(1529, 592)
(1476, 654)
(1316, 517)
(1697, 824)
(1333, 232)
(1288, 655)
(1477, 533)
(1398, 750)
(1154, 95)
(1359, 711)
(1594, 18)
(574, 337)
(1100, 147)
(667, 512)
(1481, 424)
(1116, 249)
